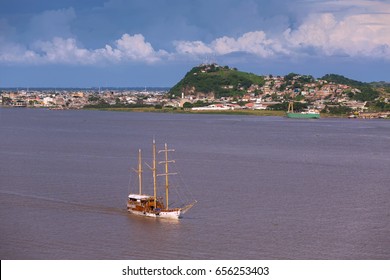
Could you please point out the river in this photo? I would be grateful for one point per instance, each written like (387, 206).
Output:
(267, 187)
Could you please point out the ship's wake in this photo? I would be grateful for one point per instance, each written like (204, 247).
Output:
(65, 203)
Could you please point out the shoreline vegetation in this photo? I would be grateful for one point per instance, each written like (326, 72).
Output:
(259, 113)
(168, 110)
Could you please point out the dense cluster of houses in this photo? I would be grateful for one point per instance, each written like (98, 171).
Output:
(78, 99)
(277, 90)
(320, 93)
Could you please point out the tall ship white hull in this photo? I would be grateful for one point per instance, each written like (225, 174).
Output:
(143, 205)
(151, 205)
(161, 215)
(176, 214)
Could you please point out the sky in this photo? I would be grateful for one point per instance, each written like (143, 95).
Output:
(154, 43)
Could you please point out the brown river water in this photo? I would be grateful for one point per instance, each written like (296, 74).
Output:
(267, 187)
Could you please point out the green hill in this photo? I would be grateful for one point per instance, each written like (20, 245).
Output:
(339, 79)
(212, 79)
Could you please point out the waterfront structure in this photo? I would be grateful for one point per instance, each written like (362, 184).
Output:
(309, 114)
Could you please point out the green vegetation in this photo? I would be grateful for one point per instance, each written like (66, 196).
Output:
(152, 109)
(298, 106)
(339, 79)
(220, 81)
(367, 92)
(93, 98)
(379, 106)
(104, 105)
(337, 110)
(301, 79)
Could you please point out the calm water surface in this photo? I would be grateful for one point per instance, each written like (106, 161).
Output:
(268, 187)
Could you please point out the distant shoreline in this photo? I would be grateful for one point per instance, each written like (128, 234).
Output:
(259, 113)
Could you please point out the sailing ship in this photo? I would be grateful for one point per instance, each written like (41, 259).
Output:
(152, 205)
(309, 114)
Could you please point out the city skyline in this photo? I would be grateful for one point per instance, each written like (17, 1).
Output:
(121, 43)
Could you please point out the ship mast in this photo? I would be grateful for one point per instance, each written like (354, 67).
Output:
(153, 168)
(139, 171)
(154, 174)
(166, 174)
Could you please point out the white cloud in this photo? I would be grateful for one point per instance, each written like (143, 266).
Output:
(135, 48)
(192, 47)
(252, 42)
(356, 35)
(357, 28)
(15, 53)
(350, 28)
(66, 51)
(61, 50)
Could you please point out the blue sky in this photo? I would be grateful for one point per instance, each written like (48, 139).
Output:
(91, 43)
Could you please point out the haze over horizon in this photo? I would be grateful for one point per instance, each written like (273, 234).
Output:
(118, 43)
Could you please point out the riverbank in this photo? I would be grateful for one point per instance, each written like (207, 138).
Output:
(260, 113)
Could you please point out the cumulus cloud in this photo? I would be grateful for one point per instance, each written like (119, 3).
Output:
(135, 48)
(349, 28)
(67, 51)
(356, 35)
(255, 43)
(61, 50)
(15, 53)
(192, 47)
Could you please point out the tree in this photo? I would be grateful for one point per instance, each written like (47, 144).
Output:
(279, 106)
(339, 79)
(7, 100)
(366, 94)
(290, 76)
(199, 103)
(337, 110)
(381, 106)
(299, 97)
(93, 98)
(188, 105)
